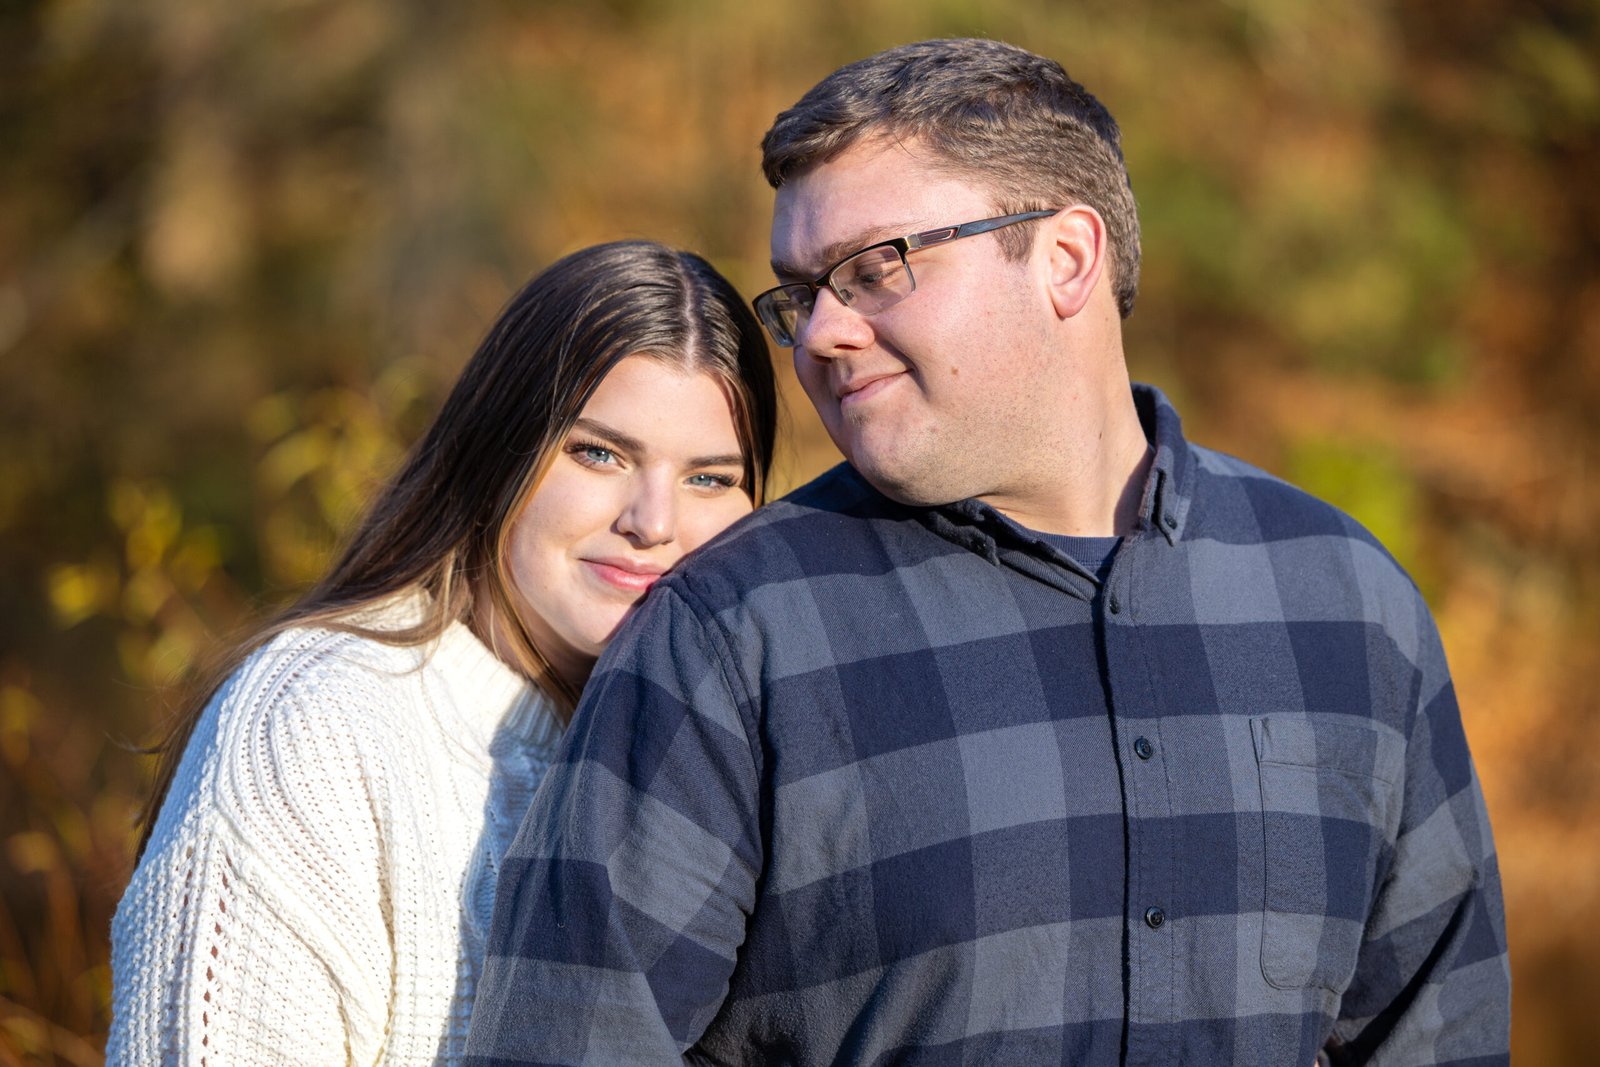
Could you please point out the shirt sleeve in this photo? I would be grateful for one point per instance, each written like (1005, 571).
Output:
(623, 901)
(1432, 983)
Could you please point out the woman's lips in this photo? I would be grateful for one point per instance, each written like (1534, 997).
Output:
(627, 575)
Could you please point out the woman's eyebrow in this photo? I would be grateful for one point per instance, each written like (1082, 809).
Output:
(731, 460)
(611, 435)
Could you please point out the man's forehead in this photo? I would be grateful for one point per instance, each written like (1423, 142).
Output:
(805, 250)
(868, 194)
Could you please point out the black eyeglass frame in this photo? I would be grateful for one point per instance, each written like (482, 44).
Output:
(902, 246)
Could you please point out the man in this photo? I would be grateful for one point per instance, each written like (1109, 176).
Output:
(1035, 734)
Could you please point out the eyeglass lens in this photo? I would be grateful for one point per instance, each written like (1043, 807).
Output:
(872, 280)
(869, 281)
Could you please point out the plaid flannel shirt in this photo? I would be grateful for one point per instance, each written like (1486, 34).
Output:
(863, 783)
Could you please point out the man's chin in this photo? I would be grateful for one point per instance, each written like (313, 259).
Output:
(913, 488)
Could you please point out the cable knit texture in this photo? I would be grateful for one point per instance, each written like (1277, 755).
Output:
(321, 877)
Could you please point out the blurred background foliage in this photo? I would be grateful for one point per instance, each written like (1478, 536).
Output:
(245, 247)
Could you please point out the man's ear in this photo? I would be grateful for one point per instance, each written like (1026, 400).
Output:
(1077, 256)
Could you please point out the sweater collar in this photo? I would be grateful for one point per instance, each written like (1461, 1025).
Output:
(495, 698)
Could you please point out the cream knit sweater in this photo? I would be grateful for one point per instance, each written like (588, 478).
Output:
(319, 883)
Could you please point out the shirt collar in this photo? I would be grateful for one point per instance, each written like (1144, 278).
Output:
(1164, 505)
(1169, 488)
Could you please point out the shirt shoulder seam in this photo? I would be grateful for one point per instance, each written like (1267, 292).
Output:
(733, 679)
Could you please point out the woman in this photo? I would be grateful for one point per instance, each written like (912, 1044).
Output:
(318, 882)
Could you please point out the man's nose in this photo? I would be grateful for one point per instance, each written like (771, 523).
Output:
(833, 327)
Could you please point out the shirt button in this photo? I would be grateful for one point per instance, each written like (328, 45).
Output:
(1115, 604)
(1143, 748)
(1171, 520)
(1154, 918)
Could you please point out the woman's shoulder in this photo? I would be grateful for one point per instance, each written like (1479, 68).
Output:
(270, 835)
(311, 706)
(333, 669)
(324, 661)
(288, 770)
(307, 691)
(347, 716)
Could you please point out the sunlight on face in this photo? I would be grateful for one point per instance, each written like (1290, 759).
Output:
(941, 395)
(652, 470)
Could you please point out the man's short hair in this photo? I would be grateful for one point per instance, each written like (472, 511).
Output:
(998, 114)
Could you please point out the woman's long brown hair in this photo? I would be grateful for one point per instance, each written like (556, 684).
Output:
(440, 524)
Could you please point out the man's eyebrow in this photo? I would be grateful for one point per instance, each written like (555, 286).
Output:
(833, 253)
(633, 445)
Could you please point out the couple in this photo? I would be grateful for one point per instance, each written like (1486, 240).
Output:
(1034, 734)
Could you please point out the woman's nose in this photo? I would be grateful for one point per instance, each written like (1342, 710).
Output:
(650, 515)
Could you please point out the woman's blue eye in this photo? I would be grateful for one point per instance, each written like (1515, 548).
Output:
(592, 455)
(712, 481)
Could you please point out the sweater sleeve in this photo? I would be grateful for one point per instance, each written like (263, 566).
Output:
(623, 901)
(207, 971)
(253, 931)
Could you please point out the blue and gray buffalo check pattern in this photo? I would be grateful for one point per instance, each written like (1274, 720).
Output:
(871, 784)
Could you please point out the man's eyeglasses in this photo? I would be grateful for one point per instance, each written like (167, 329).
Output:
(870, 280)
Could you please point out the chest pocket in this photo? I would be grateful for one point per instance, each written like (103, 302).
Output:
(1329, 807)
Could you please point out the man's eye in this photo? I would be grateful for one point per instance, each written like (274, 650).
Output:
(876, 277)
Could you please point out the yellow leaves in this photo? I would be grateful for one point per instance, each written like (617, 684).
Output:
(197, 557)
(1569, 73)
(1368, 481)
(326, 455)
(32, 852)
(166, 565)
(78, 591)
(19, 710)
(157, 548)
(297, 456)
(150, 521)
(271, 417)
(145, 594)
(1364, 298)
(338, 436)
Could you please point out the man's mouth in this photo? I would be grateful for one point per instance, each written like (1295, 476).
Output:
(860, 390)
